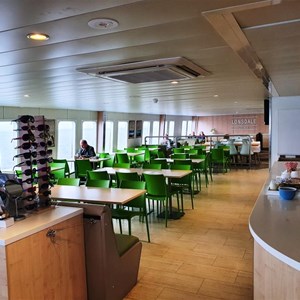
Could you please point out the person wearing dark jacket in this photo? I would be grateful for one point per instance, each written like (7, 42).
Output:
(85, 150)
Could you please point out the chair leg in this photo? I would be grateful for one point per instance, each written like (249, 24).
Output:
(129, 226)
(120, 225)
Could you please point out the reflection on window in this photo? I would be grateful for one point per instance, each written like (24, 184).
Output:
(122, 135)
(66, 147)
(155, 132)
(170, 128)
(7, 151)
(146, 131)
(189, 128)
(109, 134)
(89, 132)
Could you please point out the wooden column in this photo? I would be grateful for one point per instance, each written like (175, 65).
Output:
(162, 123)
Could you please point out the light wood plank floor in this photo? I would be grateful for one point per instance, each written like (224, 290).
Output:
(207, 254)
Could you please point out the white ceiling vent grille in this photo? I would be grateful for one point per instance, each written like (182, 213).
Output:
(176, 68)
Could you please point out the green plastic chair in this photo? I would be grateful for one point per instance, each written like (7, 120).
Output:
(183, 184)
(59, 173)
(67, 168)
(128, 176)
(100, 183)
(133, 208)
(163, 162)
(81, 168)
(179, 156)
(68, 181)
(156, 166)
(157, 190)
(110, 162)
(122, 158)
(202, 167)
(98, 175)
(122, 165)
(219, 159)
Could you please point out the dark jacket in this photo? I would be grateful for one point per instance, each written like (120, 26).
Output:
(87, 152)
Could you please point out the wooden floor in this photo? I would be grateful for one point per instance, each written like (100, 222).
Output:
(207, 254)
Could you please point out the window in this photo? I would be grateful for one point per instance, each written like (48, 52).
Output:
(170, 128)
(7, 153)
(122, 135)
(109, 134)
(186, 128)
(155, 132)
(146, 131)
(89, 132)
(66, 148)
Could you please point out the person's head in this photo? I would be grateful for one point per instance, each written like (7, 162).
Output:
(83, 144)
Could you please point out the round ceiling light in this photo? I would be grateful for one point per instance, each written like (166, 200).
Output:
(38, 36)
(103, 24)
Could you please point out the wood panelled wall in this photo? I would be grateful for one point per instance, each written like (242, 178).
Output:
(233, 124)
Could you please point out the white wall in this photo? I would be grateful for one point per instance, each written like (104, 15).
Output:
(285, 136)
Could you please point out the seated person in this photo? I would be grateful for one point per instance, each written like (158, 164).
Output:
(201, 137)
(85, 150)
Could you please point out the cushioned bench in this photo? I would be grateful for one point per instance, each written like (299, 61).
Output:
(112, 260)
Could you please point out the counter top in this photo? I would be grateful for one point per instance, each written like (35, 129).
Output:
(275, 223)
(36, 222)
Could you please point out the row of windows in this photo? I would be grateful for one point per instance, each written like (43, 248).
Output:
(66, 147)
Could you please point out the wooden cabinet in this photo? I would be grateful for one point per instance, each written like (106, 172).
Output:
(48, 264)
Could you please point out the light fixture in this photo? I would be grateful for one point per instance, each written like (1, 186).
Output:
(26, 96)
(216, 96)
(155, 100)
(103, 24)
(38, 36)
(174, 82)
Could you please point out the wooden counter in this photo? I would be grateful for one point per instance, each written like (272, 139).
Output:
(43, 256)
(274, 224)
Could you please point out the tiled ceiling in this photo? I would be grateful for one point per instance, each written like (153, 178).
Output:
(266, 35)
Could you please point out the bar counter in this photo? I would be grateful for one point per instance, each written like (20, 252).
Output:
(275, 226)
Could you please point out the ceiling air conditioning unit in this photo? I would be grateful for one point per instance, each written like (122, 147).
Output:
(175, 68)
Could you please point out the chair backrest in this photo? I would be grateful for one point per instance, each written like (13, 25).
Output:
(122, 158)
(232, 147)
(156, 184)
(68, 181)
(81, 167)
(110, 162)
(179, 156)
(60, 172)
(139, 185)
(122, 165)
(182, 161)
(178, 150)
(128, 176)
(186, 179)
(246, 148)
(98, 175)
(156, 166)
(67, 168)
(217, 154)
(163, 162)
(101, 183)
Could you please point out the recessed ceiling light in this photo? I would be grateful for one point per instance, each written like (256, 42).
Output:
(103, 24)
(38, 36)
(216, 96)
(174, 82)
(235, 102)
(26, 96)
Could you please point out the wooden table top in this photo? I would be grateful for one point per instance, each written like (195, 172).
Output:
(166, 172)
(94, 194)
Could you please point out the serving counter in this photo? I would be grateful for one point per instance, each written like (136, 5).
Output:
(275, 226)
(42, 257)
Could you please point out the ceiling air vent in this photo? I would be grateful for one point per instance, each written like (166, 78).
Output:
(176, 68)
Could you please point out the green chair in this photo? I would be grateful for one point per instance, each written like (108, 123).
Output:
(157, 190)
(68, 181)
(133, 208)
(67, 168)
(128, 176)
(183, 184)
(81, 168)
(179, 156)
(98, 175)
(100, 183)
(218, 159)
(162, 161)
(202, 167)
(156, 166)
(122, 158)
(138, 160)
(122, 165)
(110, 162)
(57, 170)
(178, 150)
